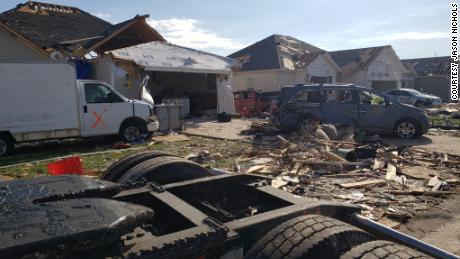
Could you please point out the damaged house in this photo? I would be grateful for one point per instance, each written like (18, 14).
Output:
(376, 67)
(280, 60)
(35, 30)
(201, 80)
(431, 75)
(120, 54)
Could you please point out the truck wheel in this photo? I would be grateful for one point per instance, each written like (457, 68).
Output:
(132, 131)
(407, 129)
(6, 145)
(117, 169)
(382, 249)
(164, 170)
(311, 236)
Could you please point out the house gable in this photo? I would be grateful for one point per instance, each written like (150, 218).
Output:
(67, 29)
(14, 46)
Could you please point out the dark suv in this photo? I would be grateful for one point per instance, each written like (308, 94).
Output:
(351, 105)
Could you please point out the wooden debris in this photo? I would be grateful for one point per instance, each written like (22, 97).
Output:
(277, 183)
(333, 157)
(391, 171)
(418, 172)
(431, 193)
(362, 183)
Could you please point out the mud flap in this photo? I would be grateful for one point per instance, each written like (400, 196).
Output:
(48, 216)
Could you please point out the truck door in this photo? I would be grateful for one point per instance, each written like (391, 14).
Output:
(103, 110)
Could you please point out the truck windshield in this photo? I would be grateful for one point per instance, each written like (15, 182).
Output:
(99, 93)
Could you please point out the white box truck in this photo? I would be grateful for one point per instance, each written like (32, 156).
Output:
(42, 101)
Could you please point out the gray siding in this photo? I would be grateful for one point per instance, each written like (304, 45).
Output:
(13, 49)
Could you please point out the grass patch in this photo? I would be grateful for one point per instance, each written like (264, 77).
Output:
(442, 120)
(95, 164)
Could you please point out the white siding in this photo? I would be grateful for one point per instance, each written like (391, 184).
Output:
(385, 67)
(12, 49)
(263, 80)
(273, 80)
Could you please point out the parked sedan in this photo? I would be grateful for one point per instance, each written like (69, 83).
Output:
(350, 105)
(414, 97)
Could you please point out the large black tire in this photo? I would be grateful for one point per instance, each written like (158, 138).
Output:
(311, 236)
(6, 145)
(382, 249)
(164, 170)
(117, 169)
(132, 131)
(407, 129)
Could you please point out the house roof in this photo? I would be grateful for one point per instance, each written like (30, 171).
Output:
(162, 56)
(361, 56)
(429, 66)
(52, 26)
(275, 52)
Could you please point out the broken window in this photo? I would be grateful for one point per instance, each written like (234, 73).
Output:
(366, 97)
(310, 96)
(338, 96)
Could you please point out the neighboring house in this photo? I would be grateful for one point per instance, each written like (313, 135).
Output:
(64, 31)
(174, 71)
(279, 60)
(377, 67)
(431, 75)
(14, 46)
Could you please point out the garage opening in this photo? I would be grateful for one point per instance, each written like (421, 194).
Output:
(383, 86)
(199, 88)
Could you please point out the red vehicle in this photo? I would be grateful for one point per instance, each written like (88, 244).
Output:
(250, 102)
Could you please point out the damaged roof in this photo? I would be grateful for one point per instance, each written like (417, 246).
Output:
(50, 25)
(429, 66)
(162, 56)
(275, 52)
(361, 56)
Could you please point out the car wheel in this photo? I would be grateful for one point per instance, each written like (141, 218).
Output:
(132, 131)
(6, 145)
(407, 129)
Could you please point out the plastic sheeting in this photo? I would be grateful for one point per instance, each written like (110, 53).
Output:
(160, 56)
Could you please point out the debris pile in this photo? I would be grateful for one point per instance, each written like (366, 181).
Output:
(446, 117)
(391, 184)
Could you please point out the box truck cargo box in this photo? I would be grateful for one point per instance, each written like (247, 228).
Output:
(41, 101)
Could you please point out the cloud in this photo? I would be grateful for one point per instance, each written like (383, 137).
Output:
(411, 36)
(103, 16)
(189, 33)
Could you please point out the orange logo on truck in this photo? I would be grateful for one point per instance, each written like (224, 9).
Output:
(98, 119)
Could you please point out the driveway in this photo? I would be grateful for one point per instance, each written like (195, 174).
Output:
(213, 128)
(430, 142)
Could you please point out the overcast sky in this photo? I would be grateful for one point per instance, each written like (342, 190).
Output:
(415, 28)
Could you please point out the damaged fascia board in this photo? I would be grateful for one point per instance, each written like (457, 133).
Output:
(159, 56)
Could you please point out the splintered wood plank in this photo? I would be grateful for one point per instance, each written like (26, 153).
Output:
(418, 172)
(362, 183)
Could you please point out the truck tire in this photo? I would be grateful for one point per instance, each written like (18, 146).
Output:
(117, 169)
(164, 170)
(6, 145)
(132, 131)
(407, 129)
(311, 236)
(382, 249)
